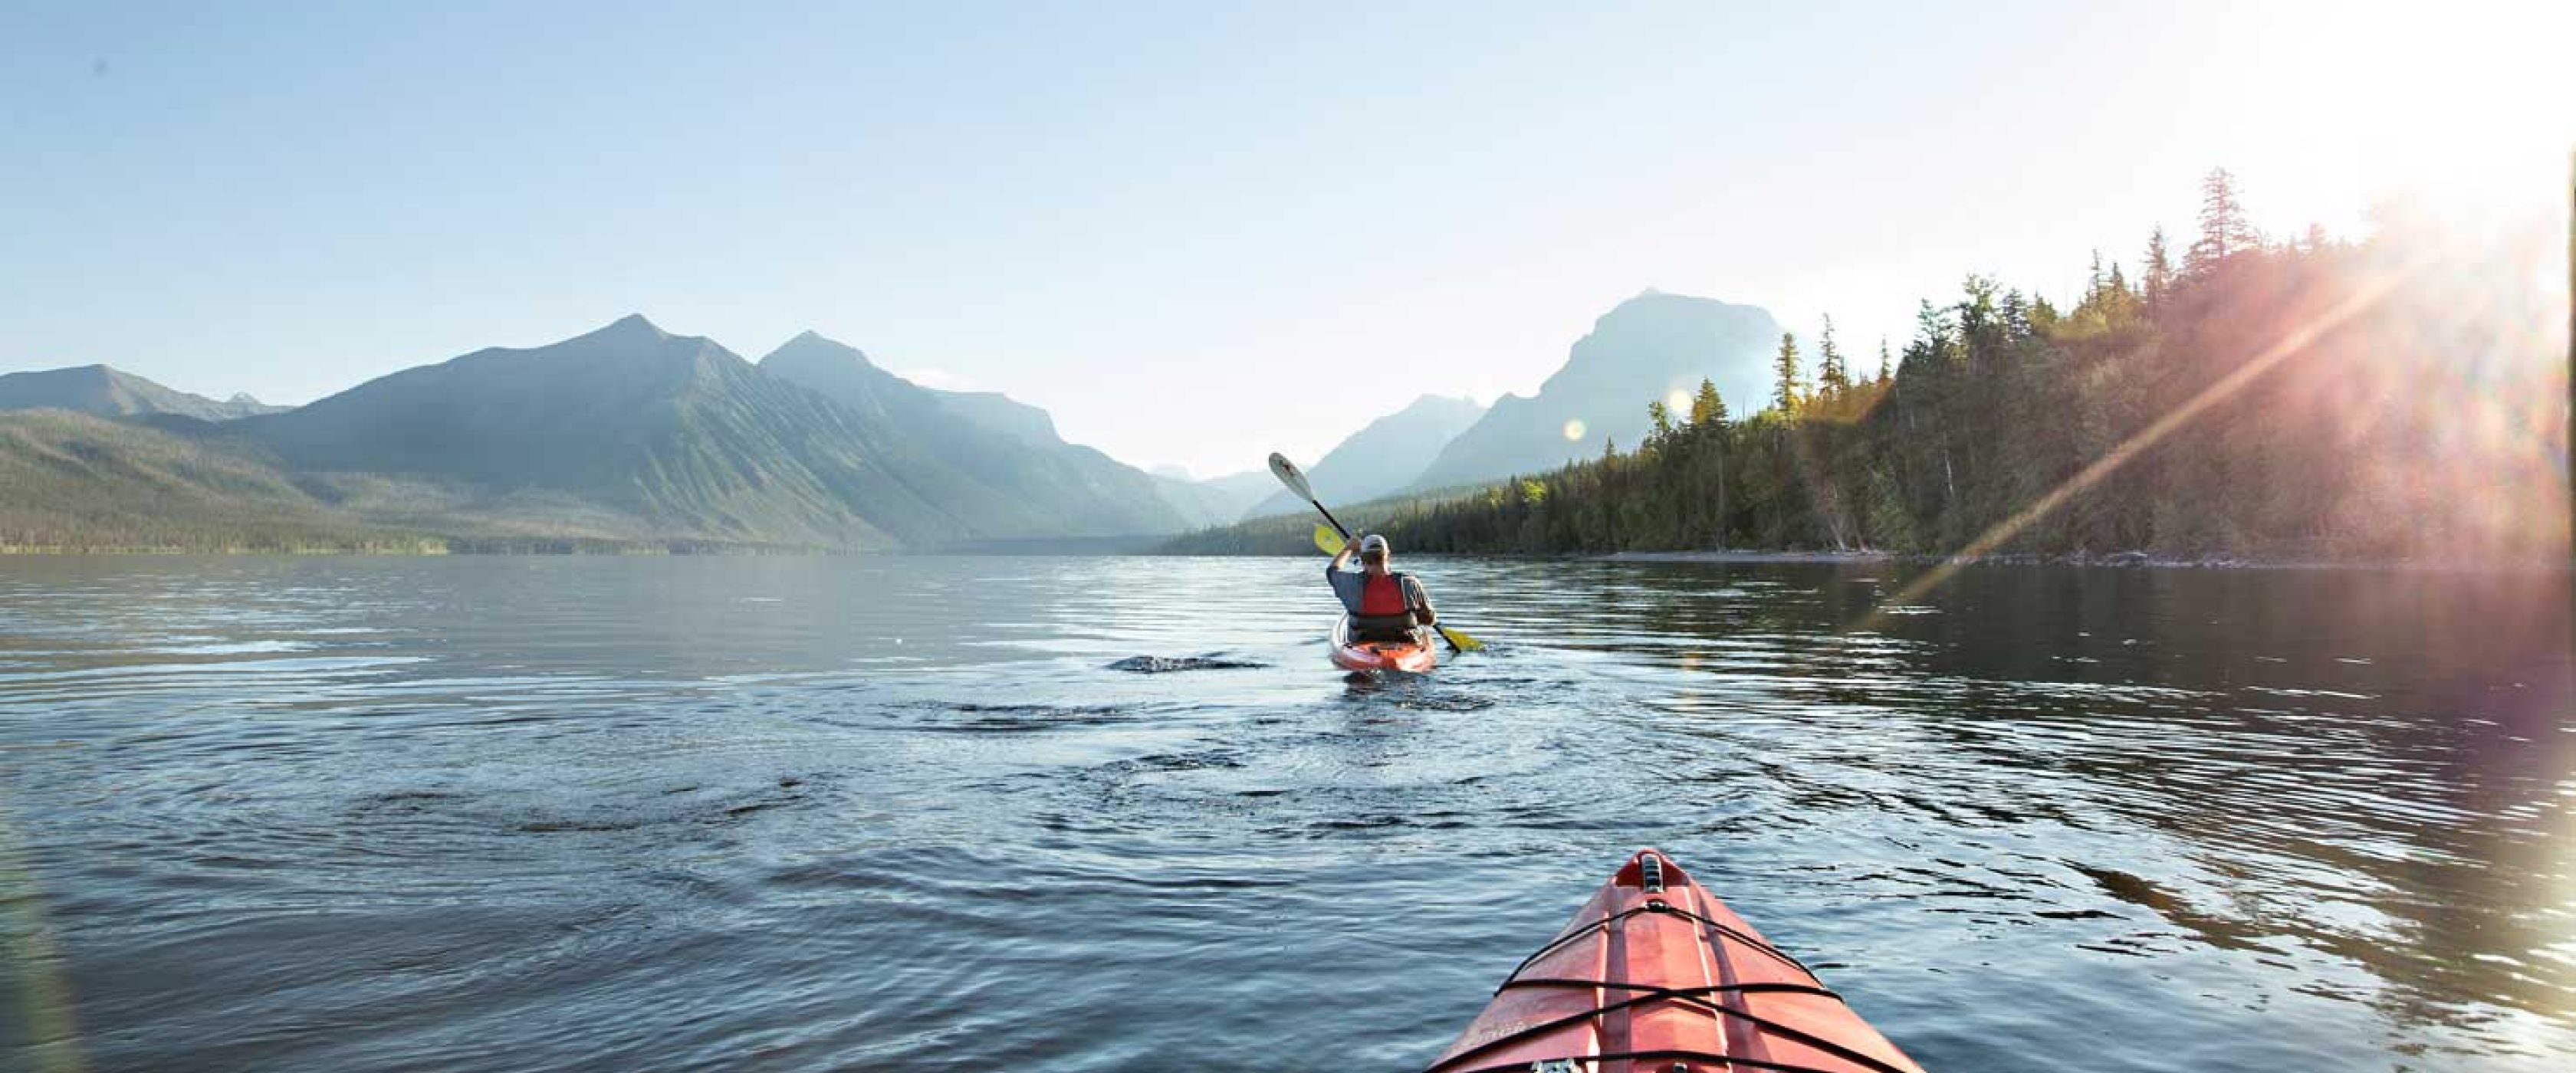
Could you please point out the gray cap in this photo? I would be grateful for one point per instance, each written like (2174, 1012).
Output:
(1373, 544)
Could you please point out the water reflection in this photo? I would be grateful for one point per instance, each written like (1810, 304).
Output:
(1083, 814)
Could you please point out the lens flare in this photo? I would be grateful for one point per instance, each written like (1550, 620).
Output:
(1574, 429)
(53, 1035)
(2444, 325)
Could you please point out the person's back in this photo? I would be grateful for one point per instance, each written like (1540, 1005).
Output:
(1383, 605)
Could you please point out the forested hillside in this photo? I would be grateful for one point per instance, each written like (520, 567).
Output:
(2401, 397)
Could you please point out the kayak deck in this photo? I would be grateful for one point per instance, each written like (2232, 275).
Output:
(1655, 975)
(1350, 655)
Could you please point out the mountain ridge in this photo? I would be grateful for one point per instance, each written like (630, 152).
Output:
(1387, 454)
(1641, 350)
(1086, 491)
(630, 433)
(107, 391)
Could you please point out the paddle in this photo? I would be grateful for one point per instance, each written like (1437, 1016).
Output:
(1333, 540)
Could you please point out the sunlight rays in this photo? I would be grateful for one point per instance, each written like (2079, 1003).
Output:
(2298, 338)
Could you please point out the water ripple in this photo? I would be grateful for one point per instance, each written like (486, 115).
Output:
(568, 814)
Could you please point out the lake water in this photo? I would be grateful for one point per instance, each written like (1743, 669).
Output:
(519, 814)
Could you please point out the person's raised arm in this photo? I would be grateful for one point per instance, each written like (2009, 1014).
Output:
(1340, 558)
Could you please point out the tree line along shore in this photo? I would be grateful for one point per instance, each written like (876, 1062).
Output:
(2308, 400)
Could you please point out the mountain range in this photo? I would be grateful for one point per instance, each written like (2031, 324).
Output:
(106, 392)
(629, 435)
(624, 435)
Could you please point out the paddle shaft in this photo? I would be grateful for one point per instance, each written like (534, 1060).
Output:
(1338, 527)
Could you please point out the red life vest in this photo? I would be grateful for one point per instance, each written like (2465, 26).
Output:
(1383, 596)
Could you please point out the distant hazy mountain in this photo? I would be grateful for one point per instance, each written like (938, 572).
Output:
(106, 392)
(636, 432)
(1648, 347)
(632, 435)
(1000, 413)
(1386, 455)
(625, 435)
(1216, 500)
(1007, 447)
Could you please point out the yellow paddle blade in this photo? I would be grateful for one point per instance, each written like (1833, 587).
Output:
(1328, 541)
(1459, 640)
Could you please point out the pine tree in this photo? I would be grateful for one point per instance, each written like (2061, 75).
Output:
(1659, 422)
(1832, 380)
(1882, 360)
(1708, 427)
(2224, 231)
(1708, 410)
(2159, 269)
(1932, 327)
(2016, 315)
(1785, 392)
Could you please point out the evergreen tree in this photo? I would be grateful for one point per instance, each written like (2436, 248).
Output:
(2016, 315)
(2159, 269)
(1785, 391)
(1932, 329)
(1882, 360)
(1659, 423)
(1833, 381)
(1708, 410)
(1710, 431)
(2224, 231)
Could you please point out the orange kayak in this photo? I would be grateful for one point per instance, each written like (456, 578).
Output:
(1351, 655)
(1656, 976)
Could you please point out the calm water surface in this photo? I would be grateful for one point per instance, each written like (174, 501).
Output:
(767, 814)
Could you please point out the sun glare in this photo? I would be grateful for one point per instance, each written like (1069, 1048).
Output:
(2391, 103)
(1574, 429)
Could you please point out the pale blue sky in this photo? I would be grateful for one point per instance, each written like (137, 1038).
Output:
(1178, 228)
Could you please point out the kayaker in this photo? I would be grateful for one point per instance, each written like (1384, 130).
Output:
(1384, 605)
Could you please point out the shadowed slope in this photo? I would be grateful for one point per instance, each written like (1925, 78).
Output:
(1001, 455)
(676, 432)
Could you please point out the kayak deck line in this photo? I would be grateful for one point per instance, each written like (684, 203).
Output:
(1654, 975)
